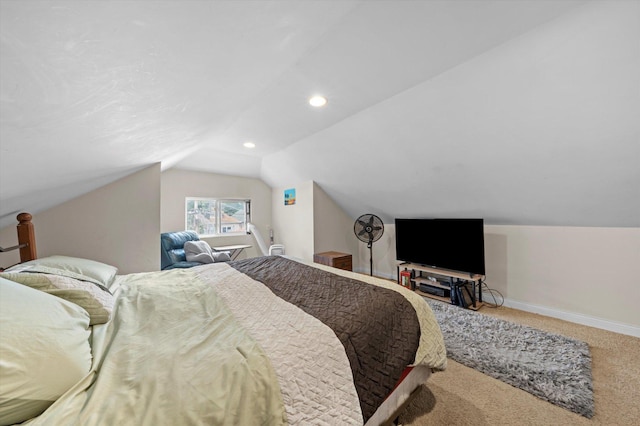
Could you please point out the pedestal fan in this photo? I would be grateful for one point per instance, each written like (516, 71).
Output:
(369, 228)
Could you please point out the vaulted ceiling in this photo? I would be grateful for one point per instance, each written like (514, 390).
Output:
(520, 112)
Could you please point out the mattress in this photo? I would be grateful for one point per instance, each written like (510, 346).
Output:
(269, 340)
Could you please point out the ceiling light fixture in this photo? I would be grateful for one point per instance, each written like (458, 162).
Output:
(317, 101)
(249, 145)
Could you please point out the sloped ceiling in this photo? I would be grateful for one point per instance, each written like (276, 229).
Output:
(521, 112)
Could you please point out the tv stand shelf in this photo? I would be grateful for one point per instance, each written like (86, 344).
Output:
(445, 281)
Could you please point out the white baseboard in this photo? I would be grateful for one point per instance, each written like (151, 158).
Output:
(376, 274)
(616, 327)
(590, 321)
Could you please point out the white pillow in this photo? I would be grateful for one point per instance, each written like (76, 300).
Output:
(44, 350)
(73, 267)
(198, 251)
(97, 301)
(221, 256)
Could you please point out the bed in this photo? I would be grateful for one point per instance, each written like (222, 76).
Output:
(263, 341)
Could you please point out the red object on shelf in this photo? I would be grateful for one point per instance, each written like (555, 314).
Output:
(405, 279)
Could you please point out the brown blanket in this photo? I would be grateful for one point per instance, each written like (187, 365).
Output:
(378, 327)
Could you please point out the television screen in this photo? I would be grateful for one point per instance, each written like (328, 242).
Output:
(454, 244)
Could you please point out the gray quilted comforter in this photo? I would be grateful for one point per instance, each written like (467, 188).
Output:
(378, 327)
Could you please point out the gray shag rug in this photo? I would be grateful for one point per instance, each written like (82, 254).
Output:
(549, 366)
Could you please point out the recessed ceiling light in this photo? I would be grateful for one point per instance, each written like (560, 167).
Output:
(317, 101)
(249, 145)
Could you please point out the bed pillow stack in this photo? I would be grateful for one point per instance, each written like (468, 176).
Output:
(98, 273)
(80, 281)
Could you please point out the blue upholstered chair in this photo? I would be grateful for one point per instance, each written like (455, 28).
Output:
(172, 249)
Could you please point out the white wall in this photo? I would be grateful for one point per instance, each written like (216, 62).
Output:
(332, 227)
(178, 184)
(9, 238)
(585, 275)
(559, 271)
(118, 224)
(293, 224)
(315, 223)
(384, 255)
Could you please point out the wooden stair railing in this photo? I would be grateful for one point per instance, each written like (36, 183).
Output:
(26, 239)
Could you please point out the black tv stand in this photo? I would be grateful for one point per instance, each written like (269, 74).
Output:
(444, 279)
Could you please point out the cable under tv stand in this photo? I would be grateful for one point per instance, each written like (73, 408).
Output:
(438, 282)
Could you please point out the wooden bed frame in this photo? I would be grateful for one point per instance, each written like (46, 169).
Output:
(26, 239)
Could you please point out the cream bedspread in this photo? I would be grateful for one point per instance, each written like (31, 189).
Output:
(173, 355)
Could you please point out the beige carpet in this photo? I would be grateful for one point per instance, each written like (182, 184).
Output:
(463, 396)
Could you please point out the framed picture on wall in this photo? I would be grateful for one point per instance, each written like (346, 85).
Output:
(289, 197)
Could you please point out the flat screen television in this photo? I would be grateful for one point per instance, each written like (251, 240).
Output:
(454, 244)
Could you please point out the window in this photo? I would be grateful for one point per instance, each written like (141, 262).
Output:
(209, 216)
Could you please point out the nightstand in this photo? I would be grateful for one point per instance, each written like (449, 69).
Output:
(335, 259)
